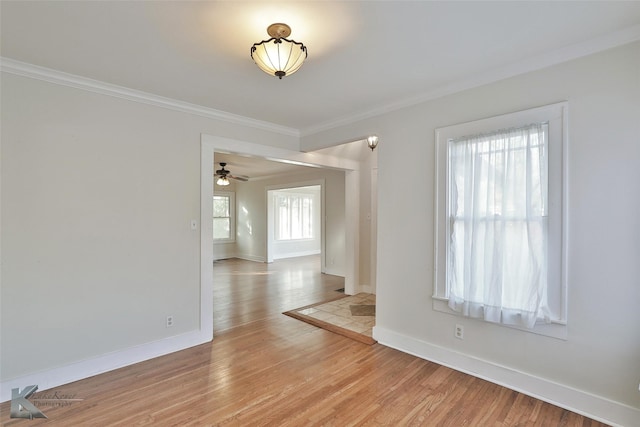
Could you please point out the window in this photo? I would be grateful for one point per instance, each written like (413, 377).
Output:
(499, 238)
(223, 217)
(294, 216)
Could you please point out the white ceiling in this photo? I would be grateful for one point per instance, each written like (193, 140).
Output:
(255, 168)
(363, 56)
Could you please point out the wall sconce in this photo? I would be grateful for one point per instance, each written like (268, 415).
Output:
(372, 142)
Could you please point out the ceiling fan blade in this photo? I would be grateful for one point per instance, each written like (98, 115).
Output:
(239, 177)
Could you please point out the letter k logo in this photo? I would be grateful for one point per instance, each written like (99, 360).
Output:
(21, 407)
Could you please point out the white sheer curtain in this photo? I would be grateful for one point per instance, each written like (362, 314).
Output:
(497, 263)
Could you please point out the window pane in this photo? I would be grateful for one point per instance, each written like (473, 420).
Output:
(497, 252)
(283, 218)
(294, 216)
(222, 222)
(221, 228)
(220, 206)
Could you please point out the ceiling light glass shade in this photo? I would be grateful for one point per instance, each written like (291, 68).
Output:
(223, 180)
(372, 142)
(279, 56)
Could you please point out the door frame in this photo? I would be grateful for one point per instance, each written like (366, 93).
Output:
(209, 144)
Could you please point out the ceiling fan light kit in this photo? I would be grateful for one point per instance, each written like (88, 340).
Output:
(224, 175)
(279, 56)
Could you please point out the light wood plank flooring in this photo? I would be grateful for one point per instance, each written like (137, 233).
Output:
(264, 368)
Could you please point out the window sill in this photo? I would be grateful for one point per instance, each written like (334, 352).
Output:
(555, 329)
(220, 242)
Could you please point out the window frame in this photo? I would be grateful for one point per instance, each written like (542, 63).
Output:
(300, 196)
(556, 115)
(232, 222)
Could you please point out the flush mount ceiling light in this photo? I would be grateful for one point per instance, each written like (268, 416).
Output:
(372, 142)
(279, 56)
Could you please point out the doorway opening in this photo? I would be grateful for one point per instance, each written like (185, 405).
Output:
(350, 177)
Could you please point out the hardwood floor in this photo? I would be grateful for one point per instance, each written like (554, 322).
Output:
(264, 368)
(247, 291)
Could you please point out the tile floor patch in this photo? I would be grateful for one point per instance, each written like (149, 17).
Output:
(339, 312)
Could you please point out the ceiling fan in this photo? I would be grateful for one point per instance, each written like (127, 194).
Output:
(224, 175)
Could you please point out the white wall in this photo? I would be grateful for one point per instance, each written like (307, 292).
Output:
(597, 369)
(367, 159)
(97, 198)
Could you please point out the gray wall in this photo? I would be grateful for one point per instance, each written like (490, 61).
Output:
(602, 353)
(97, 198)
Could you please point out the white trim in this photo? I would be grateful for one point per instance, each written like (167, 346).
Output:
(557, 116)
(373, 227)
(578, 401)
(253, 258)
(558, 56)
(49, 75)
(352, 227)
(206, 240)
(554, 329)
(104, 363)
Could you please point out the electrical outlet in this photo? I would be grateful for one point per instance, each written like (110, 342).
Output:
(169, 321)
(459, 332)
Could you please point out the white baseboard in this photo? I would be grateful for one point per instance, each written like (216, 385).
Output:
(100, 364)
(334, 272)
(592, 406)
(253, 258)
(296, 254)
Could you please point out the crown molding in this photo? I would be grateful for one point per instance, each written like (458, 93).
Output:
(567, 53)
(554, 57)
(49, 75)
